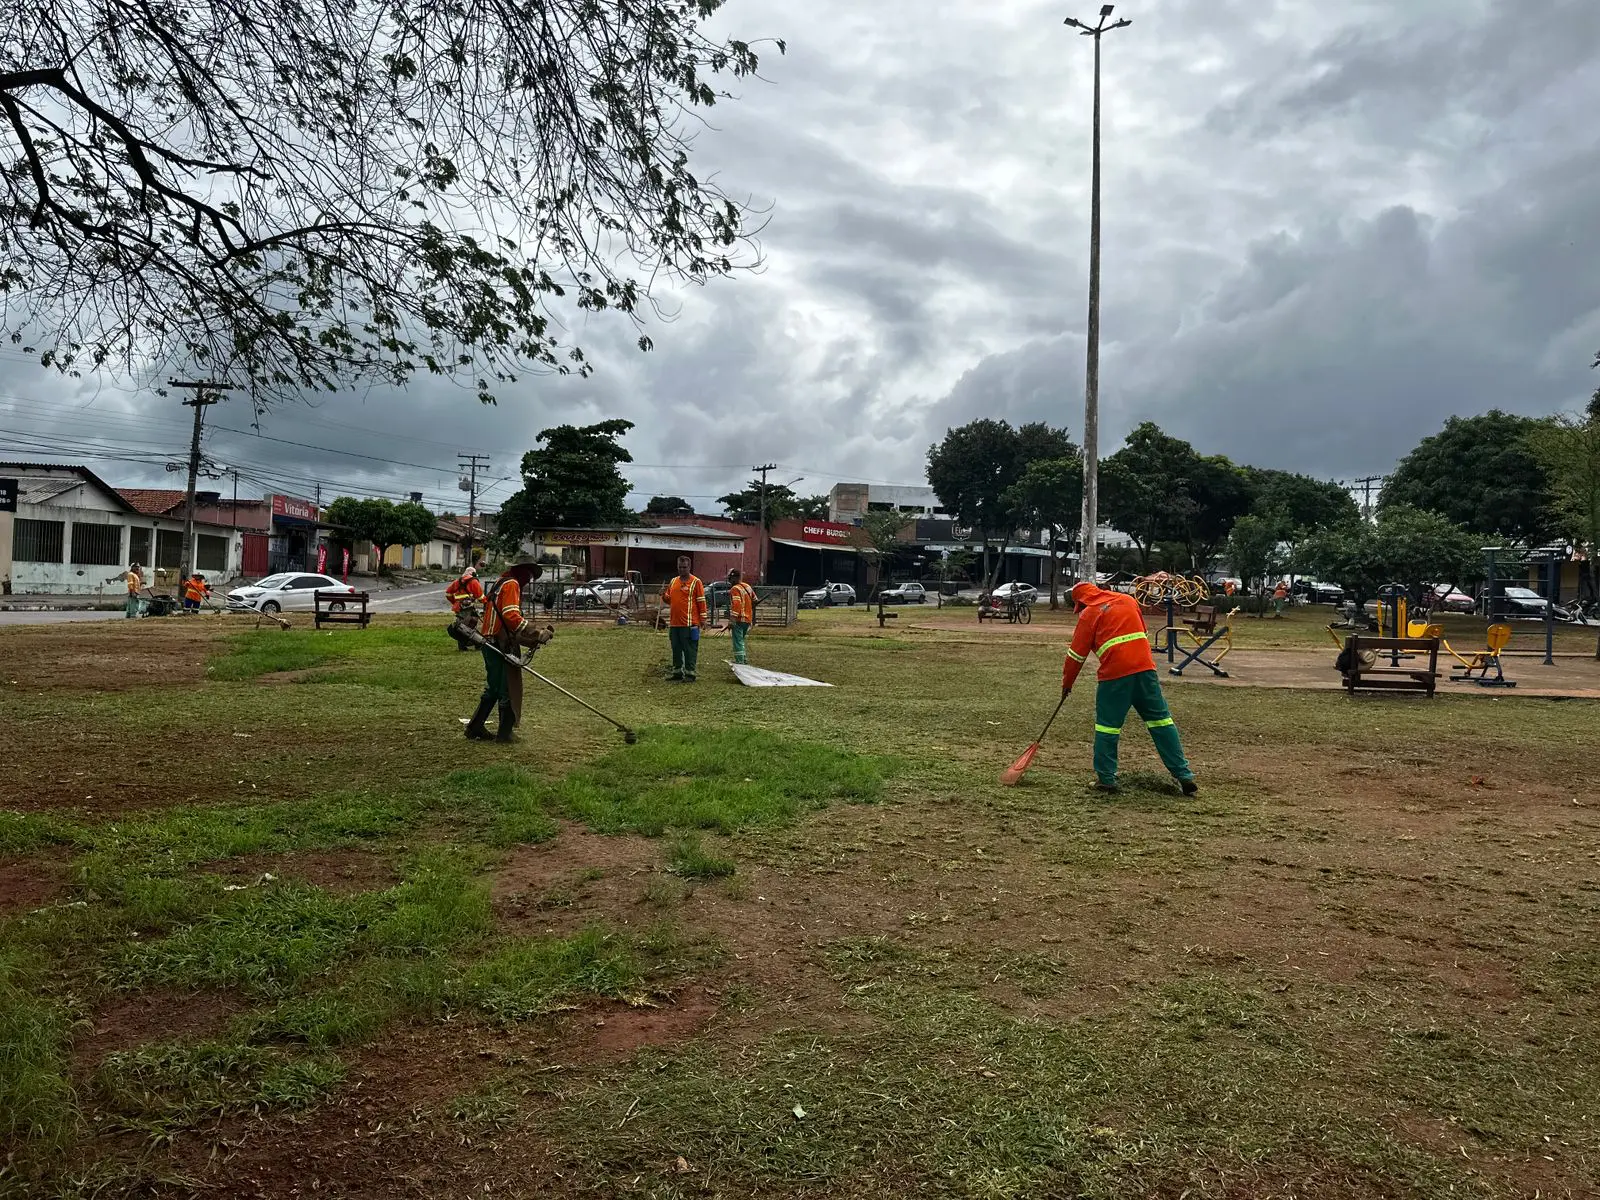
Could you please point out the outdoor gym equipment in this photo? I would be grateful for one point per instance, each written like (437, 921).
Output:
(1201, 629)
(1476, 669)
(1013, 774)
(1153, 591)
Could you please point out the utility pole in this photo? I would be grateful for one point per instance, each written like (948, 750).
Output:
(761, 528)
(1088, 554)
(200, 401)
(471, 462)
(1365, 484)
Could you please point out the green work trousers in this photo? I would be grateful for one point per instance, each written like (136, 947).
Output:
(135, 606)
(740, 630)
(1142, 693)
(496, 685)
(685, 651)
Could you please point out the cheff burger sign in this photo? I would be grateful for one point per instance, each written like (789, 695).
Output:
(827, 533)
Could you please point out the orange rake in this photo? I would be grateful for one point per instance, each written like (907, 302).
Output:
(1012, 775)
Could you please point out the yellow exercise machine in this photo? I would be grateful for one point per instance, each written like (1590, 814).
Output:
(1475, 669)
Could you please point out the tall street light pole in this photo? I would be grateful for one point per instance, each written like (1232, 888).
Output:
(1087, 565)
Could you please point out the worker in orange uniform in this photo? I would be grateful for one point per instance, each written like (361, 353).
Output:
(467, 587)
(502, 621)
(1280, 596)
(194, 592)
(1111, 627)
(685, 598)
(741, 613)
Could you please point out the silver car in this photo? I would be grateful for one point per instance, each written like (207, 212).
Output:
(289, 589)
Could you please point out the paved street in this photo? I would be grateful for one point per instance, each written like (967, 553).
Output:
(421, 598)
(56, 618)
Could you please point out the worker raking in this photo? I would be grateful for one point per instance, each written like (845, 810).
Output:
(1111, 627)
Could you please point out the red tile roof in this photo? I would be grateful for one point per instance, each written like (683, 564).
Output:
(153, 502)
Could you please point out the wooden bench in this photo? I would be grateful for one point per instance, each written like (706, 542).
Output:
(1204, 621)
(341, 608)
(1386, 673)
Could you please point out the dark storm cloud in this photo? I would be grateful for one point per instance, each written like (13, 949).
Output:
(1327, 227)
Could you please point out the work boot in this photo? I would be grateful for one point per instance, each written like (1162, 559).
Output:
(1101, 785)
(508, 723)
(475, 727)
(1188, 787)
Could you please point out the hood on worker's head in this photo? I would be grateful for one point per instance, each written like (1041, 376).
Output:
(1085, 594)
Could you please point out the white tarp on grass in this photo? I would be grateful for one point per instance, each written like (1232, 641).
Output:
(757, 677)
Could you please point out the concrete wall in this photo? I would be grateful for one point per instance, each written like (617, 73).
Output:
(67, 578)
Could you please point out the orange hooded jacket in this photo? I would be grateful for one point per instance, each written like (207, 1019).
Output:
(1111, 627)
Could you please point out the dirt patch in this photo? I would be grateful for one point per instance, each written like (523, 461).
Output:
(575, 865)
(158, 1015)
(31, 882)
(113, 658)
(343, 871)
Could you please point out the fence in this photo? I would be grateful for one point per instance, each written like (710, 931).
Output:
(777, 606)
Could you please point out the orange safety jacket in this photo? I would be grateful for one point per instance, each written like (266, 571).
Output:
(1111, 627)
(742, 603)
(194, 589)
(686, 599)
(504, 610)
(461, 589)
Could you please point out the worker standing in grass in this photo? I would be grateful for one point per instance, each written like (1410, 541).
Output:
(741, 613)
(1111, 627)
(466, 588)
(502, 621)
(135, 580)
(685, 598)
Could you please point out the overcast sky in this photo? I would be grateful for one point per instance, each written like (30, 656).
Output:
(1327, 227)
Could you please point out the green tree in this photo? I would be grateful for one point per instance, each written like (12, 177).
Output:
(1305, 504)
(1208, 500)
(879, 536)
(1567, 448)
(1405, 545)
(1255, 548)
(381, 522)
(813, 508)
(974, 467)
(668, 506)
(570, 480)
(745, 505)
(1049, 496)
(1141, 487)
(1479, 473)
(302, 195)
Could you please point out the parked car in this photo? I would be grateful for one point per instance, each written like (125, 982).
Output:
(613, 591)
(1026, 593)
(581, 596)
(827, 595)
(286, 590)
(1448, 598)
(1314, 591)
(1525, 602)
(905, 593)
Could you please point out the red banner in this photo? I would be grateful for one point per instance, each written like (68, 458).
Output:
(825, 532)
(295, 509)
(322, 558)
(347, 564)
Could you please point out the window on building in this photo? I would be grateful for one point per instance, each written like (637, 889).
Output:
(210, 553)
(37, 541)
(879, 506)
(96, 545)
(169, 548)
(139, 545)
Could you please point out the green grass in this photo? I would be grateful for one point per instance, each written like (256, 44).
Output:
(533, 978)
(721, 780)
(270, 651)
(37, 1106)
(689, 859)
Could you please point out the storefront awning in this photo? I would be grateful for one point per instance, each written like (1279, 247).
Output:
(830, 547)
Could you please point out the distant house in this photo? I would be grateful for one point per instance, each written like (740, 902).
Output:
(73, 531)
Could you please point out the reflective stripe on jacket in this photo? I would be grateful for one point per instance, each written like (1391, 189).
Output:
(1110, 627)
(742, 603)
(461, 589)
(504, 609)
(686, 601)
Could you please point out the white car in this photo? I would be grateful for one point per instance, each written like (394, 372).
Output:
(905, 593)
(1024, 592)
(613, 591)
(288, 590)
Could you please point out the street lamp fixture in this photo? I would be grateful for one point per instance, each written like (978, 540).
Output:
(1087, 564)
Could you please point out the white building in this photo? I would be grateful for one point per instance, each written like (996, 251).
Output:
(849, 502)
(72, 533)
